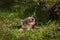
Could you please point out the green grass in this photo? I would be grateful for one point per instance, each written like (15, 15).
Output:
(46, 32)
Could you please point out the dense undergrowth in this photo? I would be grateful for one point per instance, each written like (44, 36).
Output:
(51, 31)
